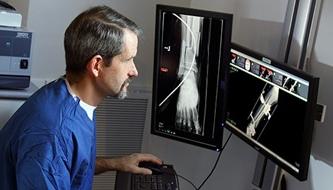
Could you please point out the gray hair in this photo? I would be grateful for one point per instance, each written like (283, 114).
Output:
(96, 31)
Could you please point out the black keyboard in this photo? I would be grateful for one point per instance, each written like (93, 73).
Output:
(165, 179)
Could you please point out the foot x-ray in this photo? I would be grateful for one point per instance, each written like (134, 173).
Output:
(185, 88)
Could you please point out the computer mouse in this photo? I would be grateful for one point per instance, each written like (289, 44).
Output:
(155, 168)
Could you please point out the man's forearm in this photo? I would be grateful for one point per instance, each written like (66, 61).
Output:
(104, 164)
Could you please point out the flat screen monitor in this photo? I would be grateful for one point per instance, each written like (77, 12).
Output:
(271, 107)
(192, 52)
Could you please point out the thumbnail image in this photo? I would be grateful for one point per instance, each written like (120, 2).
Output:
(266, 73)
(290, 84)
(233, 58)
(303, 90)
(255, 68)
(240, 61)
(277, 78)
(247, 64)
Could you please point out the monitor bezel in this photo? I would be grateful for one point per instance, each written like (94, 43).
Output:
(212, 143)
(309, 118)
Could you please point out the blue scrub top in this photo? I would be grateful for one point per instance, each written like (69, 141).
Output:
(49, 143)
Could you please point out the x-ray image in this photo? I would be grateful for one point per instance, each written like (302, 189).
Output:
(290, 84)
(262, 111)
(188, 100)
(188, 73)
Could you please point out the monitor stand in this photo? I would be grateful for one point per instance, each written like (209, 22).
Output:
(267, 175)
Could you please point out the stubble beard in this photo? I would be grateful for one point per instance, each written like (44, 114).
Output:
(122, 94)
(123, 91)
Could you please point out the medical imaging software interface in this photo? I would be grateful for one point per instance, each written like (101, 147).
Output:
(268, 106)
(189, 78)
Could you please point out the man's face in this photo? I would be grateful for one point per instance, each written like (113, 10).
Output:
(116, 77)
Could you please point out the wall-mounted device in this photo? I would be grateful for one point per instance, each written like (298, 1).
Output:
(9, 17)
(15, 55)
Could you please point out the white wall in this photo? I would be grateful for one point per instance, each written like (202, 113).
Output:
(262, 10)
(257, 24)
(48, 20)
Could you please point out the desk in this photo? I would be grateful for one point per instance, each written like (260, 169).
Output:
(11, 100)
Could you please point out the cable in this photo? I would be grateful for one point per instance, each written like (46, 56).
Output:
(177, 181)
(217, 160)
(174, 173)
(190, 182)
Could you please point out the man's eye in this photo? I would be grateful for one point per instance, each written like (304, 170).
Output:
(129, 61)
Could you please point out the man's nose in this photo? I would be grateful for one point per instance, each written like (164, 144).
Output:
(133, 71)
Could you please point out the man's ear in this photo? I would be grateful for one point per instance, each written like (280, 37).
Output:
(94, 65)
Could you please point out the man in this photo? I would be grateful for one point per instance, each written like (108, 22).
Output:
(49, 143)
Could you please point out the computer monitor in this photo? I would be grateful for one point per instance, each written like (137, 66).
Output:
(271, 107)
(192, 52)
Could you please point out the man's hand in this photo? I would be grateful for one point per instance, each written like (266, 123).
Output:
(128, 163)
